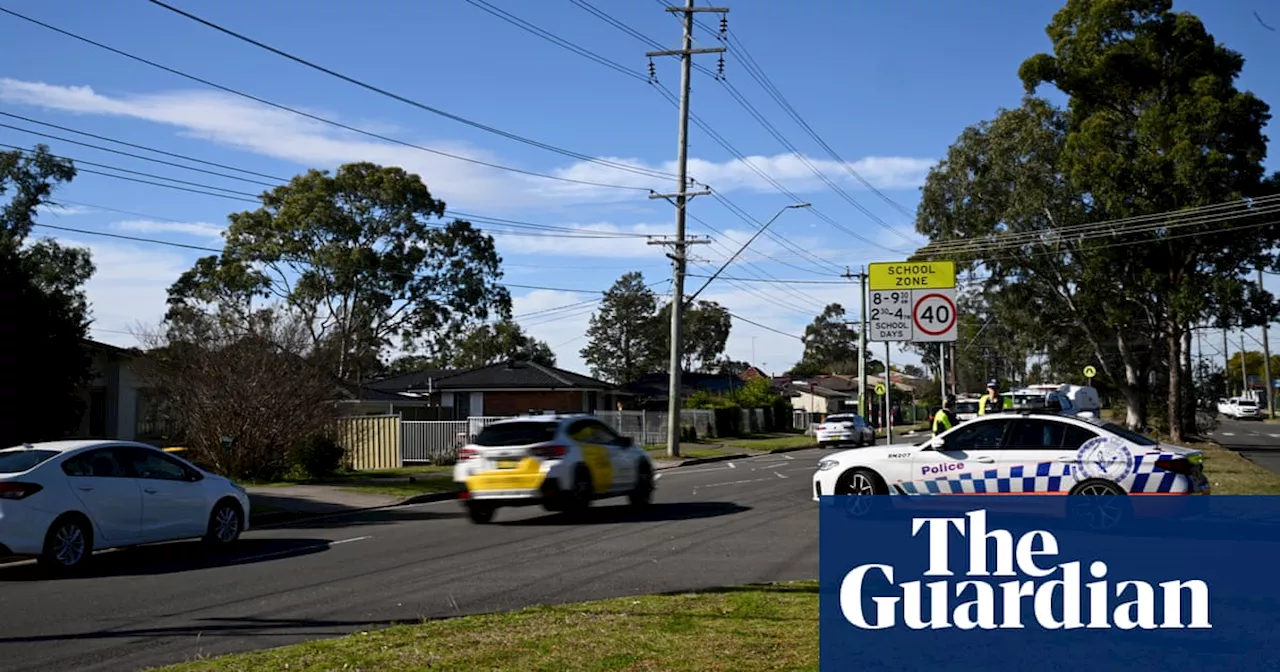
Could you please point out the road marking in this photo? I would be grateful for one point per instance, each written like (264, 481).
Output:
(1274, 436)
(295, 551)
(347, 541)
(1228, 433)
(657, 476)
(750, 480)
(778, 475)
(732, 465)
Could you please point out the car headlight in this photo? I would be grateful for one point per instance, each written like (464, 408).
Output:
(828, 464)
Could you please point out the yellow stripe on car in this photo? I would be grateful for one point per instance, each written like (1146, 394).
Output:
(600, 464)
(526, 476)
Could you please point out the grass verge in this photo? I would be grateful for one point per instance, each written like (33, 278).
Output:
(688, 452)
(774, 627)
(769, 443)
(406, 489)
(1231, 474)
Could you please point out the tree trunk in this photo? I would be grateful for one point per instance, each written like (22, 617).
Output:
(1135, 398)
(1188, 387)
(1173, 339)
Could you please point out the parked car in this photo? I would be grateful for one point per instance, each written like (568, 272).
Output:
(561, 462)
(967, 407)
(1239, 408)
(841, 428)
(1030, 453)
(62, 500)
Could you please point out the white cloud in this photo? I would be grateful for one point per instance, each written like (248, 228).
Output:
(128, 290)
(267, 131)
(63, 210)
(587, 240)
(193, 229)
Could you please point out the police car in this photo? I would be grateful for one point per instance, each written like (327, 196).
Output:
(561, 462)
(1011, 452)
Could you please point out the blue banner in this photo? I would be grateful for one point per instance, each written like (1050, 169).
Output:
(1016, 583)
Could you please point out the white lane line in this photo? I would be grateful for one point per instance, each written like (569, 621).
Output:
(347, 541)
(1274, 436)
(749, 480)
(732, 465)
(1228, 433)
(657, 476)
(778, 475)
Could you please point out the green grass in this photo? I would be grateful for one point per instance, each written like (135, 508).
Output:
(406, 489)
(769, 627)
(769, 443)
(688, 452)
(1231, 474)
(403, 473)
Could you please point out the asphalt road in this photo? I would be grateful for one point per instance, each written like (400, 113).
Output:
(1253, 439)
(744, 521)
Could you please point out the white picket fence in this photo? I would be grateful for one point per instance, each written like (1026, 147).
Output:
(438, 441)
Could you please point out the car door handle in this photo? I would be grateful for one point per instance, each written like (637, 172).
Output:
(85, 488)
(1066, 459)
(987, 460)
(149, 491)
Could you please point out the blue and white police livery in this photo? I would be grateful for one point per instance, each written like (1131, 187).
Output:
(1018, 453)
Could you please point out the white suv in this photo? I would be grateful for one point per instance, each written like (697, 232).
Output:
(560, 462)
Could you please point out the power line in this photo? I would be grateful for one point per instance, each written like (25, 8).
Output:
(766, 327)
(318, 118)
(779, 281)
(647, 172)
(135, 172)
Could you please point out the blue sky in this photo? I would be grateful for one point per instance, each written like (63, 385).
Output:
(887, 85)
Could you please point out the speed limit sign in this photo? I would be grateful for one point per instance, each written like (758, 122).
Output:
(933, 314)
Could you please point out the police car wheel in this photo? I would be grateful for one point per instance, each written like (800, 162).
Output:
(859, 488)
(642, 495)
(1099, 505)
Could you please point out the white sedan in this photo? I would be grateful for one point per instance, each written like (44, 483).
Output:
(62, 500)
(844, 428)
(1003, 453)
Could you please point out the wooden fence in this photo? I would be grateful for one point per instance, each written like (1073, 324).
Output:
(371, 442)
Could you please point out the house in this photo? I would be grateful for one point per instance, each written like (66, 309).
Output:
(368, 400)
(505, 389)
(113, 394)
(819, 400)
(654, 388)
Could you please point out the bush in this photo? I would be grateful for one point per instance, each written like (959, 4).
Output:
(318, 457)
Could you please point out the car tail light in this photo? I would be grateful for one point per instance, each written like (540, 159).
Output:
(19, 490)
(1176, 465)
(549, 451)
(468, 454)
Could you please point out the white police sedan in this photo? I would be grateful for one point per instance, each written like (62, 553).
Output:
(1018, 453)
(62, 500)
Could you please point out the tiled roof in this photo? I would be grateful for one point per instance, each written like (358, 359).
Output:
(416, 380)
(516, 375)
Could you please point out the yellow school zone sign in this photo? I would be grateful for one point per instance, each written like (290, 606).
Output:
(891, 275)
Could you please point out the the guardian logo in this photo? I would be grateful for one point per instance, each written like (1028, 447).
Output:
(906, 601)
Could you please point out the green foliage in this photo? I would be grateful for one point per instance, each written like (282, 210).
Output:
(499, 342)
(621, 331)
(357, 254)
(45, 312)
(630, 335)
(1153, 125)
(830, 345)
(318, 457)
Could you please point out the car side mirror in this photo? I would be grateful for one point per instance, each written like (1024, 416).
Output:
(626, 442)
(194, 476)
(936, 443)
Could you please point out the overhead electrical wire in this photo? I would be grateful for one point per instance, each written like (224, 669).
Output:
(639, 170)
(758, 73)
(569, 232)
(324, 120)
(760, 118)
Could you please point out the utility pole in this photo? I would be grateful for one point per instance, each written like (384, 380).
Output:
(862, 339)
(681, 197)
(1226, 363)
(888, 396)
(1244, 372)
(1266, 361)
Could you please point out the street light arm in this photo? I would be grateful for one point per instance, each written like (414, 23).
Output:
(689, 301)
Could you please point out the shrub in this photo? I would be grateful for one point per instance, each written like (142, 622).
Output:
(318, 457)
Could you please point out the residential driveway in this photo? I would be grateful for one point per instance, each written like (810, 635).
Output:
(1255, 440)
(715, 524)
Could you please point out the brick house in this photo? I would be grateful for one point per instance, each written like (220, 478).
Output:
(508, 388)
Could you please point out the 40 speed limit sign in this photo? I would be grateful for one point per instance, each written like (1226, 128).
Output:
(933, 314)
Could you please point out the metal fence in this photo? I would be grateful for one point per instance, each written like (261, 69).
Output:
(438, 441)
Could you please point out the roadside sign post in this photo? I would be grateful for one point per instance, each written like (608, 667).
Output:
(888, 398)
(913, 302)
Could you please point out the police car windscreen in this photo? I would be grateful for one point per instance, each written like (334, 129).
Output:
(18, 461)
(967, 407)
(516, 434)
(1128, 435)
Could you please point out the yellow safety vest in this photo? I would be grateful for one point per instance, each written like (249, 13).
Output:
(941, 418)
(982, 404)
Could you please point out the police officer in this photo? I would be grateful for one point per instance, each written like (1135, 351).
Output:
(990, 402)
(945, 418)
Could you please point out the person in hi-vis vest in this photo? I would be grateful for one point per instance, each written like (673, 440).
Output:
(990, 402)
(945, 418)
